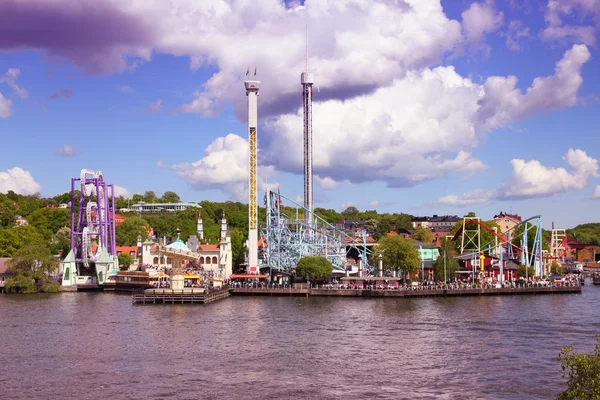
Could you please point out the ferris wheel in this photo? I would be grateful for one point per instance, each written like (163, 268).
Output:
(94, 233)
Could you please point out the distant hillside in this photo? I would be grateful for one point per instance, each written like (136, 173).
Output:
(586, 233)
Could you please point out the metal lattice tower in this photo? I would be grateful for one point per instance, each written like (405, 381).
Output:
(252, 88)
(471, 238)
(286, 238)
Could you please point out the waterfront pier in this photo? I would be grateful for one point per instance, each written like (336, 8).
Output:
(405, 293)
(179, 296)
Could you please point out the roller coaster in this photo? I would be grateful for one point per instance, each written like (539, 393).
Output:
(287, 238)
(512, 244)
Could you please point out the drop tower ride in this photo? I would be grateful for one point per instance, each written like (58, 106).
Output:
(252, 94)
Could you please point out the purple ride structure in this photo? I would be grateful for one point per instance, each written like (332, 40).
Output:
(93, 253)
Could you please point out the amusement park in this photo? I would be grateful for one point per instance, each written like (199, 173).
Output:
(511, 250)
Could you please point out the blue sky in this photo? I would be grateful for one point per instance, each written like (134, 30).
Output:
(406, 118)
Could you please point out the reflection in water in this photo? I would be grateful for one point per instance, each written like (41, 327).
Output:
(93, 345)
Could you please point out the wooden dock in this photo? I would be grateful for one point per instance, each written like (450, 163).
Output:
(184, 296)
(402, 292)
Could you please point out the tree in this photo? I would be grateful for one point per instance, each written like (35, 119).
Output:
(399, 254)
(470, 214)
(383, 227)
(33, 266)
(316, 268)
(150, 196)
(556, 268)
(448, 251)
(124, 261)
(13, 239)
(350, 212)
(582, 372)
(525, 272)
(170, 197)
(129, 230)
(403, 221)
(423, 235)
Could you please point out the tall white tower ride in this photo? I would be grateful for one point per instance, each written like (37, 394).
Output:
(307, 81)
(252, 93)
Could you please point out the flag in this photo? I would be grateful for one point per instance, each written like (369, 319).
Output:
(248, 71)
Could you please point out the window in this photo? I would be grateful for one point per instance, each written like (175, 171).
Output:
(214, 260)
(155, 261)
(201, 260)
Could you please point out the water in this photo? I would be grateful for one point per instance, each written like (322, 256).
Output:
(98, 345)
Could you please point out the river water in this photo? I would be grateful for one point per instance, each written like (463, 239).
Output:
(98, 345)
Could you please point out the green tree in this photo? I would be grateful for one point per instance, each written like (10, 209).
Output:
(329, 215)
(449, 253)
(582, 372)
(137, 198)
(129, 230)
(316, 268)
(423, 235)
(399, 254)
(350, 212)
(384, 226)
(170, 197)
(8, 212)
(403, 221)
(13, 239)
(124, 261)
(470, 214)
(525, 272)
(586, 233)
(150, 196)
(556, 268)
(33, 263)
(238, 247)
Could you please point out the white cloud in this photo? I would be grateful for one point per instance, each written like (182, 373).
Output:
(121, 191)
(443, 117)
(504, 102)
(19, 181)
(480, 19)
(515, 33)
(326, 182)
(5, 107)
(225, 167)
(354, 45)
(66, 151)
(153, 107)
(531, 179)
(557, 29)
(596, 194)
(10, 78)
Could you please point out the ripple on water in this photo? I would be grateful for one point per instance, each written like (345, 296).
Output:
(92, 345)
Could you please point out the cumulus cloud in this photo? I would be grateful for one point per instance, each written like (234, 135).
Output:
(559, 12)
(153, 107)
(66, 151)
(224, 167)
(62, 92)
(121, 191)
(19, 181)
(326, 182)
(5, 107)
(531, 179)
(480, 19)
(504, 102)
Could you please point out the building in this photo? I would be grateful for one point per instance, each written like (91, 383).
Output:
(4, 273)
(443, 223)
(215, 258)
(507, 222)
(420, 222)
(21, 221)
(142, 207)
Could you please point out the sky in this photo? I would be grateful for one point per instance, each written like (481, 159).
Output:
(420, 106)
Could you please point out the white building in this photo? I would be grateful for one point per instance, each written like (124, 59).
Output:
(217, 258)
